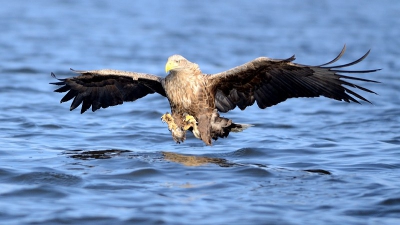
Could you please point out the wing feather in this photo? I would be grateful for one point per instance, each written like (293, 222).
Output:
(271, 81)
(70, 95)
(104, 88)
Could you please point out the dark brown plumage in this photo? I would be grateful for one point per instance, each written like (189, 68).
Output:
(196, 98)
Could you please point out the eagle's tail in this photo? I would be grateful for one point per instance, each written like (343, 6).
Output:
(221, 127)
(206, 128)
(239, 127)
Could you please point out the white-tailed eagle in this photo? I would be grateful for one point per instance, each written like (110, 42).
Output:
(196, 99)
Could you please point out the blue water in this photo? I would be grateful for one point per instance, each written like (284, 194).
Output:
(306, 161)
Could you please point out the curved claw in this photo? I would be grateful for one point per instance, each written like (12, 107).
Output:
(167, 118)
(190, 122)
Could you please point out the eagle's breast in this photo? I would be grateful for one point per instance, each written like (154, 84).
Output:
(183, 90)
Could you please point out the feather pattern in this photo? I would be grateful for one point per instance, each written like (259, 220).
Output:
(271, 81)
(104, 88)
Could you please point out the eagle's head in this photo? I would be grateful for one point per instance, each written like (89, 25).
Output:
(176, 62)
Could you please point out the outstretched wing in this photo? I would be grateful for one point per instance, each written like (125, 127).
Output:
(104, 88)
(270, 81)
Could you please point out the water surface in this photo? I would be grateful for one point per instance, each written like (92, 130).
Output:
(306, 161)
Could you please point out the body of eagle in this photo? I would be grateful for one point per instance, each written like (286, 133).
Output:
(196, 99)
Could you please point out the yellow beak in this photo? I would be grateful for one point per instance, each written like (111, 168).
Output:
(169, 66)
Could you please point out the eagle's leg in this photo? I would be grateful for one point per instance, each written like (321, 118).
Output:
(190, 123)
(178, 134)
(167, 118)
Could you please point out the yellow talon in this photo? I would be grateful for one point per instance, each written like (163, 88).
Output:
(167, 118)
(190, 122)
(189, 118)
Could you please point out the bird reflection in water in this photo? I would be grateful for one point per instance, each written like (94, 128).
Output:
(192, 160)
(187, 160)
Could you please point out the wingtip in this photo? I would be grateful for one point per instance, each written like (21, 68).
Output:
(78, 71)
(55, 77)
(367, 101)
(335, 59)
(75, 71)
(290, 59)
(366, 54)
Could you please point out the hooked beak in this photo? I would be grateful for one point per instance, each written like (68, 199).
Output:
(169, 66)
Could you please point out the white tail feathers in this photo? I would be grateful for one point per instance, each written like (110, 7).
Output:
(240, 127)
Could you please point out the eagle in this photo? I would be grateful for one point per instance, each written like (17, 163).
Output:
(197, 99)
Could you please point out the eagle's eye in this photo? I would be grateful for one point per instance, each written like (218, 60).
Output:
(177, 61)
